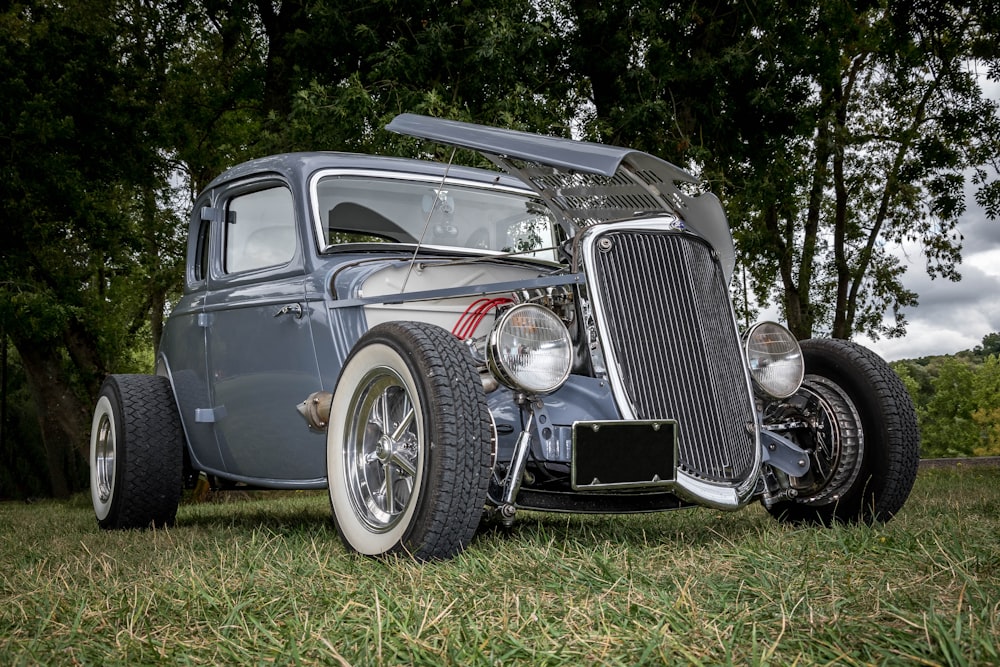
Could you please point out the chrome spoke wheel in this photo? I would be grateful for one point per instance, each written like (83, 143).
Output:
(833, 437)
(408, 443)
(382, 449)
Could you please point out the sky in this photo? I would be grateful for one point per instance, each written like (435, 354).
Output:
(952, 316)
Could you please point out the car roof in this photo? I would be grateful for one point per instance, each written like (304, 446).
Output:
(302, 165)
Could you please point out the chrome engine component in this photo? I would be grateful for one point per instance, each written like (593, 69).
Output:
(316, 409)
(512, 482)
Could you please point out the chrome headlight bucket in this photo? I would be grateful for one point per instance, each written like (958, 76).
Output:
(529, 350)
(775, 359)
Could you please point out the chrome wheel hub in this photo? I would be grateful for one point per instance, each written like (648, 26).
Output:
(104, 459)
(382, 450)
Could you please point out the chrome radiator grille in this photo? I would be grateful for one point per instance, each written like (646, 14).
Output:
(667, 326)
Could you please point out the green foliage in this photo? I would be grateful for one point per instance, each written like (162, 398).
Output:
(989, 346)
(22, 460)
(81, 224)
(494, 62)
(986, 414)
(833, 132)
(946, 420)
(957, 400)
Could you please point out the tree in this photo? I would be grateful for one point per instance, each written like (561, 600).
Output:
(72, 127)
(835, 132)
(989, 346)
(957, 400)
(946, 424)
(495, 62)
(986, 414)
(22, 460)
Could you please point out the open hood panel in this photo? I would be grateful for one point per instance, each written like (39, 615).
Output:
(587, 183)
(565, 154)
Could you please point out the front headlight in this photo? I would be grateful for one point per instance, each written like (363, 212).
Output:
(530, 350)
(775, 359)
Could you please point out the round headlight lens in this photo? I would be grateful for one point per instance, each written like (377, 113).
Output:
(775, 359)
(530, 350)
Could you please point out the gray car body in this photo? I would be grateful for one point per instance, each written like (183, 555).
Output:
(242, 349)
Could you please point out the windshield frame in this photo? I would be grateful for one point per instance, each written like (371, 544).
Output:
(320, 224)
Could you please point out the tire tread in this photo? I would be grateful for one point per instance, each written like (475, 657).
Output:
(889, 470)
(455, 519)
(458, 432)
(149, 457)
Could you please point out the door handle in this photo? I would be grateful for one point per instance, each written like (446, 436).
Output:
(294, 309)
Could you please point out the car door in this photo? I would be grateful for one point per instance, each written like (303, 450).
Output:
(261, 356)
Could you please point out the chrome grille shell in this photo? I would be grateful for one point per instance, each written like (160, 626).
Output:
(672, 350)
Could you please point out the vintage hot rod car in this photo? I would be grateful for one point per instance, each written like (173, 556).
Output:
(441, 346)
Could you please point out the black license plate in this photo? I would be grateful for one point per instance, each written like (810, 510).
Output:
(624, 454)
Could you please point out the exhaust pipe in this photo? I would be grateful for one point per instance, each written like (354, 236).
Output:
(316, 409)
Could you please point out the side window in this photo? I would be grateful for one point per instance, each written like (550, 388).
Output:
(260, 230)
(201, 251)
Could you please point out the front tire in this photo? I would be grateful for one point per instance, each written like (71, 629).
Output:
(855, 418)
(408, 445)
(136, 453)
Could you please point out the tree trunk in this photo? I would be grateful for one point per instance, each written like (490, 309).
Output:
(843, 312)
(62, 415)
(280, 26)
(601, 53)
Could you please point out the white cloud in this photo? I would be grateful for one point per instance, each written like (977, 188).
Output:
(987, 261)
(952, 316)
(957, 319)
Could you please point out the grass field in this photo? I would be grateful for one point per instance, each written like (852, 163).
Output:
(266, 580)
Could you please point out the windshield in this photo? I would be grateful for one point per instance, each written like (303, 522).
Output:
(367, 209)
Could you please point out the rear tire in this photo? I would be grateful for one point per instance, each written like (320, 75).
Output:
(408, 446)
(861, 433)
(136, 453)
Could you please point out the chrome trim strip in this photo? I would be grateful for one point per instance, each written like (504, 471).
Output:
(465, 290)
(714, 495)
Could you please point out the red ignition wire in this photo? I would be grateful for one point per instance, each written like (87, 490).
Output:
(459, 326)
(470, 319)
